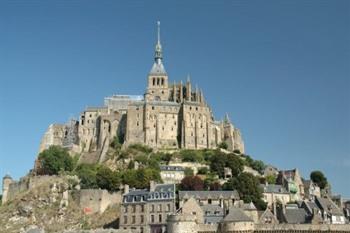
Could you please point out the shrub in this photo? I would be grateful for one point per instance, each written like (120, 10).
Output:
(53, 160)
(191, 156)
(223, 145)
(203, 171)
(188, 171)
(87, 176)
(107, 179)
(142, 148)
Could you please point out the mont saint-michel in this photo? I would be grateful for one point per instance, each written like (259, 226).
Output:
(160, 162)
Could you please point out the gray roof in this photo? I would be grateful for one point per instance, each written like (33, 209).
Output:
(237, 215)
(274, 188)
(171, 168)
(158, 69)
(161, 192)
(328, 205)
(209, 194)
(295, 216)
(212, 210)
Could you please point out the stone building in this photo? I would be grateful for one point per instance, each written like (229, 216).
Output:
(291, 180)
(168, 115)
(274, 194)
(171, 174)
(146, 211)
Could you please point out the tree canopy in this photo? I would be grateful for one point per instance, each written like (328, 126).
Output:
(192, 183)
(248, 188)
(319, 178)
(53, 160)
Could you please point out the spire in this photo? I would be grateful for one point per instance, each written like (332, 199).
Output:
(158, 51)
(227, 119)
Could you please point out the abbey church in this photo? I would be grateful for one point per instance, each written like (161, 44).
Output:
(168, 116)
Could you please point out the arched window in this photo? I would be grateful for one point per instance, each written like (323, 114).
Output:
(154, 81)
(162, 81)
(157, 81)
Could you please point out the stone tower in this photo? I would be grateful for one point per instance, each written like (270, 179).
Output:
(157, 88)
(6, 181)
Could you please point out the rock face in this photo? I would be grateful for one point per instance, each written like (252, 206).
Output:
(51, 207)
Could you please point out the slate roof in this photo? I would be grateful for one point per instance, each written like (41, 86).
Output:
(274, 188)
(328, 205)
(212, 210)
(158, 69)
(209, 194)
(295, 216)
(161, 192)
(237, 215)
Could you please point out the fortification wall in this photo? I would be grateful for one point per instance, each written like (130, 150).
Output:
(301, 228)
(96, 200)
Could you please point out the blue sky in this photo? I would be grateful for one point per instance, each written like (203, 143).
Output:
(281, 69)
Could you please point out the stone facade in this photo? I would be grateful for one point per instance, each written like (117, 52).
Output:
(167, 116)
(146, 211)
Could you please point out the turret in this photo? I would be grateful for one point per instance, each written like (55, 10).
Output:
(6, 181)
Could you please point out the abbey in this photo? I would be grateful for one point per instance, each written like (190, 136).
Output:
(168, 116)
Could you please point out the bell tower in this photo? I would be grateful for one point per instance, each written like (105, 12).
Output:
(157, 88)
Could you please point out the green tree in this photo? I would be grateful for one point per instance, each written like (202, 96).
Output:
(235, 163)
(319, 178)
(218, 163)
(203, 171)
(223, 145)
(53, 160)
(107, 179)
(271, 179)
(247, 186)
(192, 183)
(87, 175)
(188, 171)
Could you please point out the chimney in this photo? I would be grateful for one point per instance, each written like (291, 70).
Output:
(126, 188)
(152, 186)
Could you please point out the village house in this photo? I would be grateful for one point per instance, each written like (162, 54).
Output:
(146, 211)
(172, 174)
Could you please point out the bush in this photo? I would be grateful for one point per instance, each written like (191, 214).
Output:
(271, 179)
(87, 176)
(203, 171)
(188, 171)
(192, 183)
(107, 179)
(223, 145)
(191, 156)
(161, 157)
(142, 148)
(53, 160)
(140, 178)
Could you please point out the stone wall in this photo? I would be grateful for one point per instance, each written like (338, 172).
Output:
(95, 200)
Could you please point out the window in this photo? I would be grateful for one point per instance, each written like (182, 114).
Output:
(142, 208)
(134, 208)
(125, 219)
(162, 81)
(137, 123)
(160, 218)
(152, 208)
(141, 229)
(168, 207)
(160, 207)
(152, 107)
(209, 201)
(154, 81)
(133, 219)
(152, 218)
(142, 219)
(157, 81)
(125, 209)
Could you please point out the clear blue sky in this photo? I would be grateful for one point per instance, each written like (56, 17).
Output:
(281, 69)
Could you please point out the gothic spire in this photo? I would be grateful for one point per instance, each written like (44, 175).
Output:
(158, 51)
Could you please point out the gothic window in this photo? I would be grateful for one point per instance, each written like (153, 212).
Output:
(162, 81)
(154, 81)
(158, 81)
(141, 219)
(160, 218)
